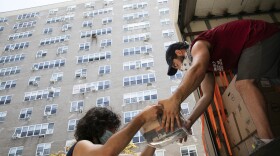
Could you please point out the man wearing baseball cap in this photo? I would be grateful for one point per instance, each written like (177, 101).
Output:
(251, 47)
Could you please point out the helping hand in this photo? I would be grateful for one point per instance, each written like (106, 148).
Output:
(187, 125)
(171, 112)
(151, 113)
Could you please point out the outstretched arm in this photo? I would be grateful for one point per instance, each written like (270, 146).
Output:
(119, 140)
(207, 87)
(191, 80)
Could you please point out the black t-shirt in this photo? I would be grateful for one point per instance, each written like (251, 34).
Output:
(70, 152)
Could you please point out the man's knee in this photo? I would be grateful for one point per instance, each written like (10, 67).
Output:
(242, 85)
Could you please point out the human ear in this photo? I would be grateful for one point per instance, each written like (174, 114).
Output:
(179, 52)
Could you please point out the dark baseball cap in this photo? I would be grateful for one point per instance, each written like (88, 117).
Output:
(170, 55)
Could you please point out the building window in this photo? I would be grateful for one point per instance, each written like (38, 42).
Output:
(2, 28)
(104, 70)
(28, 15)
(66, 27)
(165, 21)
(25, 113)
(107, 20)
(16, 46)
(168, 33)
(188, 150)
(97, 12)
(41, 53)
(91, 87)
(62, 50)
(3, 19)
(43, 149)
(178, 75)
(50, 109)
(167, 44)
(138, 50)
(92, 33)
(20, 35)
(61, 18)
(163, 11)
(24, 25)
(173, 89)
(87, 24)
(135, 26)
(139, 79)
(47, 30)
(7, 84)
(139, 97)
(159, 153)
(132, 65)
(3, 116)
(9, 71)
(94, 57)
(34, 81)
(77, 106)
(103, 101)
(128, 116)
(48, 64)
(105, 43)
(56, 77)
(162, 1)
(71, 8)
(72, 124)
(84, 46)
(81, 73)
(185, 109)
(138, 37)
(42, 94)
(53, 11)
(136, 15)
(33, 130)
(133, 6)
(15, 151)
(53, 40)
(12, 58)
(6, 99)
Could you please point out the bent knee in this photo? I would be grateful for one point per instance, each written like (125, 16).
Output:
(243, 84)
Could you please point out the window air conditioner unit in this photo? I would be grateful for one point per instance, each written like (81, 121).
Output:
(149, 84)
(35, 83)
(28, 117)
(51, 90)
(83, 76)
(80, 110)
(93, 89)
(52, 80)
(40, 154)
(146, 39)
(42, 135)
(35, 68)
(148, 68)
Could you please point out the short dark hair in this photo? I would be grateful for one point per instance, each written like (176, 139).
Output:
(170, 55)
(96, 121)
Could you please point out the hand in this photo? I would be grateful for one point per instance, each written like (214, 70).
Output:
(171, 112)
(151, 112)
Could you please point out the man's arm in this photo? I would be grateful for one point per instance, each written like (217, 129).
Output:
(191, 80)
(207, 87)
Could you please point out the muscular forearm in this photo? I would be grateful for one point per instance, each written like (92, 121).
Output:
(120, 140)
(190, 82)
(199, 108)
(148, 151)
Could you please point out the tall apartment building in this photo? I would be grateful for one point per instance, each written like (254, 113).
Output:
(58, 61)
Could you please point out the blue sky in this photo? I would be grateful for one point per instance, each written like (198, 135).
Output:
(9, 5)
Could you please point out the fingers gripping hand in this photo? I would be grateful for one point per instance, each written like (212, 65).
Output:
(152, 112)
(170, 114)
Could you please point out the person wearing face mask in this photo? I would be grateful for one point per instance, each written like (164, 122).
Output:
(250, 47)
(96, 133)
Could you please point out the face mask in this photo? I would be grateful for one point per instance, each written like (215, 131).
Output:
(105, 137)
(185, 64)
